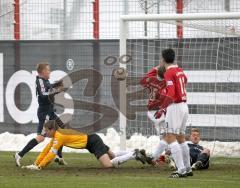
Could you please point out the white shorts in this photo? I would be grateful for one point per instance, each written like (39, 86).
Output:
(176, 118)
(159, 124)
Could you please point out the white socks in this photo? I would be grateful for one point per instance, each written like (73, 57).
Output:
(159, 149)
(157, 128)
(121, 159)
(120, 153)
(186, 156)
(177, 156)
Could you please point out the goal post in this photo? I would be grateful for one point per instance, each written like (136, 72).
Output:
(122, 95)
(184, 16)
(209, 47)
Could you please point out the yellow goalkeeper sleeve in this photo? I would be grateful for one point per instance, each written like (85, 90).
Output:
(51, 151)
(43, 153)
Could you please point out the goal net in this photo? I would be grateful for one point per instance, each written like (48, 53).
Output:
(207, 47)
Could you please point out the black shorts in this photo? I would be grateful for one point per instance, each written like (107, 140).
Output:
(96, 146)
(42, 113)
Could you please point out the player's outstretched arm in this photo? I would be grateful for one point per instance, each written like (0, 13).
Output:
(40, 157)
(151, 73)
(57, 143)
(153, 82)
(44, 152)
(41, 89)
(58, 83)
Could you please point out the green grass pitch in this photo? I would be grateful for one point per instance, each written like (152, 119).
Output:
(84, 171)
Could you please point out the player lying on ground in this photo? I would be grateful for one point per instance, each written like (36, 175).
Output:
(155, 84)
(199, 155)
(45, 92)
(176, 109)
(74, 139)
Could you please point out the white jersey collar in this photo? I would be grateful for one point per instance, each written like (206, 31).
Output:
(171, 66)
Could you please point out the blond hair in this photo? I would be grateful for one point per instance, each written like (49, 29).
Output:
(41, 66)
(195, 130)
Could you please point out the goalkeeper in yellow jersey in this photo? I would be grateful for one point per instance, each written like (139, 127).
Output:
(74, 139)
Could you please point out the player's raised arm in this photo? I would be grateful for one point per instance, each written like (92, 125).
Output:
(152, 73)
(153, 82)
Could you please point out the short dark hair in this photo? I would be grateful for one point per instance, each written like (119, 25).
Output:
(41, 66)
(161, 71)
(168, 55)
(51, 124)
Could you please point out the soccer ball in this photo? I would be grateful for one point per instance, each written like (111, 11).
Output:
(120, 73)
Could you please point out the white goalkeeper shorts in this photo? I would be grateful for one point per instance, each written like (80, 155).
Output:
(176, 118)
(159, 124)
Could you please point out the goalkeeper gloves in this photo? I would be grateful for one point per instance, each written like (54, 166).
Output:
(31, 167)
(159, 113)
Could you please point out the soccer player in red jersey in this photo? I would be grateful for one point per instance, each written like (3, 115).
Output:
(176, 109)
(154, 82)
(176, 113)
(155, 85)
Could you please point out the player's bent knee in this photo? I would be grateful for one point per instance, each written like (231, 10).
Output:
(170, 138)
(207, 151)
(105, 161)
(40, 138)
(111, 154)
(181, 138)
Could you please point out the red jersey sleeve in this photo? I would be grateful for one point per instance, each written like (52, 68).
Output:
(170, 86)
(168, 98)
(152, 73)
(151, 82)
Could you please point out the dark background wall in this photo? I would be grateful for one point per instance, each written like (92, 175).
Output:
(88, 55)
